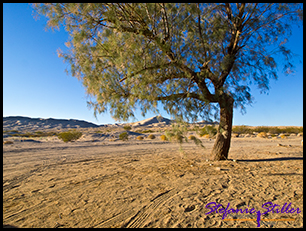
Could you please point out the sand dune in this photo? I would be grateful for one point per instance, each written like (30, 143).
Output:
(21, 123)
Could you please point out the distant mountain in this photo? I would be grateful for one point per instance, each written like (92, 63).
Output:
(153, 120)
(26, 123)
(22, 123)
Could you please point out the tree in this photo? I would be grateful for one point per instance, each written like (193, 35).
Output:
(197, 60)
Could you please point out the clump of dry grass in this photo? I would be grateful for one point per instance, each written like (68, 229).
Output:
(151, 136)
(163, 138)
(191, 137)
(262, 135)
(139, 137)
(206, 136)
(283, 136)
(8, 142)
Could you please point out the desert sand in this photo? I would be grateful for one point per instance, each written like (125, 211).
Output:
(101, 181)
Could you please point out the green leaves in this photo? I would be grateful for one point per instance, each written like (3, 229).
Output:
(133, 55)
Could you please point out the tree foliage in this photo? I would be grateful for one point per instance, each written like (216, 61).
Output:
(185, 56)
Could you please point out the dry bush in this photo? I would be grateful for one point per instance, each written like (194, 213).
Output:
(139, 137)
(235, 135)
(69, 136)
(283, 136)
(124, 136)
(262, 135)
(163, 138)
(151, 136)
(8, 142)
(208, 130)
(191, 137)
(206, 136)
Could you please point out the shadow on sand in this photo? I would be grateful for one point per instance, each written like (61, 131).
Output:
(9, 226)
(271, 159)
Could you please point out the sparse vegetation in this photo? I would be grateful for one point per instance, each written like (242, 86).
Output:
(262, 135)
(208, 130)
(8, 142)
(124, 136)
(139, 137)
(243, 129)
(147, 131)
(35, 134)
(69, 136)
(151, 136)
(163, 138)
(127, 127)
(191, 137)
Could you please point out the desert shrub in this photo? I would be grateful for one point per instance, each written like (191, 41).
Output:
(191, 137)
(235, 135)
(35, 134)
(139, 137)
(283, 136)
(98, 132)
(147, 131)
(292, 129)
(163, 138)
(262, 129)
(151, 136)
(178, 134)
(69, 136)
(243, 129)
(206, 136)
(124, 136)
(127, 127)
(8, 142)
(274, 130)
(5, 131)
(277, 130)
(208, 130)
(262, 135)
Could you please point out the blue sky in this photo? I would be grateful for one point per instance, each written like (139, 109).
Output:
(35, 83)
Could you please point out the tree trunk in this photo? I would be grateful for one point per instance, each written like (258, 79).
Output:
(224, 134)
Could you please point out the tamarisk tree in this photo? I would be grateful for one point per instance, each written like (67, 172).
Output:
(197, 60)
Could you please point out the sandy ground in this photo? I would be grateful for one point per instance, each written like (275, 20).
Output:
(149, 183)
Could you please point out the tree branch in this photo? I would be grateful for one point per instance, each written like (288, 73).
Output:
(180, 95)
(158, 66)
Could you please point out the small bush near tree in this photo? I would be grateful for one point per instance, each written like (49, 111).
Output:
(208, 130)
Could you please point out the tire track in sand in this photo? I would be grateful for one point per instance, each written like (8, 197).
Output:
(140, 217)
(143, 215)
